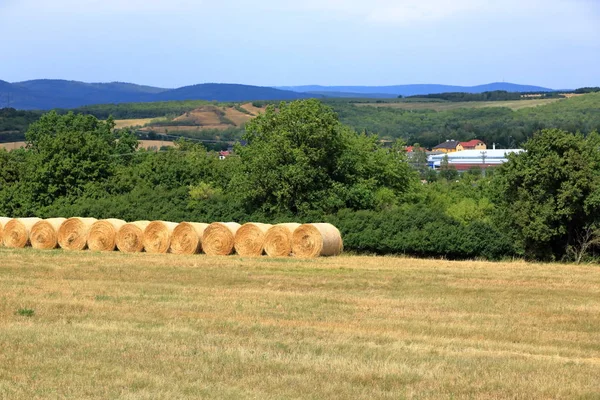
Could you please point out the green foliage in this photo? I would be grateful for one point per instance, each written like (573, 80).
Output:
(502, 126)
(447, 170)
(300, 158)
(25, 312)
(14, 124)
(496, 95)
(551, 192)
(420, 231)
(302, 164)
(140, 110)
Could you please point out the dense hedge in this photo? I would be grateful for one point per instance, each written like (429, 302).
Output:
(420, 231)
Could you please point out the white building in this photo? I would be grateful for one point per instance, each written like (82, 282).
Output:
(466, 159)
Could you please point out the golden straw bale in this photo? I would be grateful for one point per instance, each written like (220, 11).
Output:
(219, 238)
(250, 239)
(278, 239)
(44, 234)
(187, 238)
(314, 240)
(3, 221)
(157, 236)
(73, 233)
(103, 234)
(17, 230)
(130, 238)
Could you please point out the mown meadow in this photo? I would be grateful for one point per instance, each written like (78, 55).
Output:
(111, 325)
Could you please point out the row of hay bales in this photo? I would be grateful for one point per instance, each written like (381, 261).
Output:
(251, 239)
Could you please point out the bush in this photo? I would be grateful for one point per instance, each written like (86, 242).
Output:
(420, 231)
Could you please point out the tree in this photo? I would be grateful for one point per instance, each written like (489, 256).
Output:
(447, 170)
(300, 158)
(550, 194)
(418, 160)
(67, 155)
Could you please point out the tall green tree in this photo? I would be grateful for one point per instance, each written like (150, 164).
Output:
(550, 194)
(447, 170)
(67, 156)
(300, 158)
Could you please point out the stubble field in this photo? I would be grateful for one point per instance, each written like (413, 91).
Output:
(446, 106)
(90, 325)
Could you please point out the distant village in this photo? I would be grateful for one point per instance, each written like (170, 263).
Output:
(464, 155)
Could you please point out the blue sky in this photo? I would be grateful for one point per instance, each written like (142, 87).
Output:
(171, 43)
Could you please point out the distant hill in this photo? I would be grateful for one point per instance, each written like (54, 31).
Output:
(44, 94)
(350, 95)
(229, 92)
(412, 90)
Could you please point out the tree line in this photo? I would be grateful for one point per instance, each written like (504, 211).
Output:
(503, 126)
(301, 164)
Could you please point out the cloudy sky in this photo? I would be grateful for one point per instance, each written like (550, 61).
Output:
(171, 43)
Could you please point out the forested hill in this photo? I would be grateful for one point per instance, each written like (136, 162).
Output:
(47, 94)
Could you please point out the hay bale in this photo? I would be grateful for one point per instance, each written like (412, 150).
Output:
(187, 238)
(278, 239)
(103, 234)
(16, 232)
(3, 221)
(44, 234)
(219, 238)
(250, 239)
(314, 240)
(157, 236)
(73, 233)
(130, 238)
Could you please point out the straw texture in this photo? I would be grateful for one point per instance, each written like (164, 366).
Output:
(44, 234)
(314, 240)
(3, 221)
(219, 238)
(130, 238)
(103, 234)
(250, 239)
(157, 236)
(16, 232)
(73, 233)
(187, 238)
(278, 239)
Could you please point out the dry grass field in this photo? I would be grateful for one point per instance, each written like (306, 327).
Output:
(97, 326)
(130, 123)
(12, 145)
(444, 106)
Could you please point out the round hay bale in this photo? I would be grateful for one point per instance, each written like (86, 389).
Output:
(250, 239)
(44, 234)
(314, 240)
(103, 234)
(157, 236)
(16, 232)
(73, 233)
(219, 238)
(187, 238)
(3, 221)
(278, 239)
(130, 238)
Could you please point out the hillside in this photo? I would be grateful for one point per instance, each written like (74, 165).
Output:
(412, 90)
(229, 92)
(508, 123)
(45, 94)
(205, 117)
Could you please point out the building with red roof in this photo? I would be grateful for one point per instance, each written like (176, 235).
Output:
(474, 144)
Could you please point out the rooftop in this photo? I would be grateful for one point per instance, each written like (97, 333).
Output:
(449, 144)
